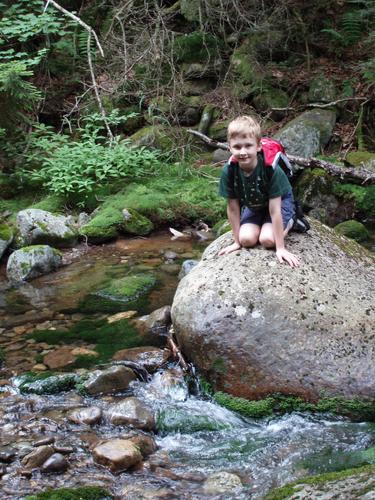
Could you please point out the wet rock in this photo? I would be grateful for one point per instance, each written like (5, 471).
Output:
(254, 327)
(154, 327)
(31, 262)
(146, 492)
(144, 442)
(44, 441)
(131, 411)
(39, 227)
(121, 315)
(169, 383)
(170, 255)
(114, 379)
(37, 457)
(39, 368)
(150, 358)
(186, 267)
(88, 416)
(117, 454)
(55, 463)
(7, 455)
(222, 482)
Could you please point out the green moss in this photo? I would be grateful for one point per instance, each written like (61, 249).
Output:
(45, 383)
(178, 420)
(129, 288)
(364, 196)
(219, 365)
(279, 403)
(6, 232)
(360, 158)
(353, 229)
(136, 224)
(52, 203)
(107, 338)
(196, 47)
(84, 492)
(254, 409)
(293, 488)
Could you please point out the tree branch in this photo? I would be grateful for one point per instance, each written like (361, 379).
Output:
(356, 175)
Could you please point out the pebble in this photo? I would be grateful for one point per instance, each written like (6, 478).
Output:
(55, 463)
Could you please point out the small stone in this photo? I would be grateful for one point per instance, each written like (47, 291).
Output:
(55, 463)
(121, 315)
(19, 330)
(117, 454)
(151, 358)
(59, 358)
(89, 416)
(114, 379)
(82, 351)
(37, 457)
(44, 441)
(7, 455)
(131, 411)
(39, 368)
(170, 255)
(222, 482)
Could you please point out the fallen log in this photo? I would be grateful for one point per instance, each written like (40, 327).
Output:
(354, 175)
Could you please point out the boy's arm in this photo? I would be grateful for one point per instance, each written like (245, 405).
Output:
(277, 227)
(233, 212)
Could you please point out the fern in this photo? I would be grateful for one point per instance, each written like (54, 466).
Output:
(352, 27)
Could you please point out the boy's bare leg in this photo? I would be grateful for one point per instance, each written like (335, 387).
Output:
(249, 235)
(266, 237)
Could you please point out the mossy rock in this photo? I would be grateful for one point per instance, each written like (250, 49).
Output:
(280, 404)
(110, 221)
(362, 196)
(245, 66)
(6, 232)
(181, 110)
(47, 383)
(353, 229)
(83, 492)
(191, 9)
(108, 338)
(52, 203)
(173, 419)
(322, 89)
(349, 483)
(218, 130)
(221, 227)
(135, 223)
(361, 159)
(269, 98)
(129, 288)
(197, 46)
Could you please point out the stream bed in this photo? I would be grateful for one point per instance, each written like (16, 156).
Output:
(197, 441)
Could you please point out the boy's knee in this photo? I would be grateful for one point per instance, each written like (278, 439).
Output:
(248, 242)
(266, 242)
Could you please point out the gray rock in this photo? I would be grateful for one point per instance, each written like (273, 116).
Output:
(131, 411)
(31, 262)
(149, 357)
(55, 463)
(114, 379)
(220, 155)
(306, 134)
(83, 218)
(89, 416)
(186, 267)
(322, 89)
(117, 454)
(254, 327)
(37, 226)
(154, 327)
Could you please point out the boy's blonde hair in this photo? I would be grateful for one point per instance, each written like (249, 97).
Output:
(244, 125)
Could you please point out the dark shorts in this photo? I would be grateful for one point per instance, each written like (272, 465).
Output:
(261, 216)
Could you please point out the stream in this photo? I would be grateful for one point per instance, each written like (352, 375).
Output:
(196, 438)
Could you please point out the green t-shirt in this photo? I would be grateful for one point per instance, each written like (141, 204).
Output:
(256, 189)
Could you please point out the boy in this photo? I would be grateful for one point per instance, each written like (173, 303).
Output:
(265, 196)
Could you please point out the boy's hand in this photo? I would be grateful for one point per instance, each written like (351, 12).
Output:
(283, 254)
(232, 248)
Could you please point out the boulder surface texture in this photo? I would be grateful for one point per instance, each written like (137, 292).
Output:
(31, 262)
(254, 327)
(37, 226)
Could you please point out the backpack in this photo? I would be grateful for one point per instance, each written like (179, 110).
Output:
(274, 154)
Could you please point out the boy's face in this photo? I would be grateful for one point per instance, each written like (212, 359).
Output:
(245, 148)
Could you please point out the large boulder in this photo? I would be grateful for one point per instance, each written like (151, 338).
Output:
(31, 262)
(305, 135)
(254, 327)
(37, 226)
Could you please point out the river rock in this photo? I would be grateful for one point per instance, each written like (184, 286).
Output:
(37, 457)
(37, 226)
(89, 416)
(31, 262)
(55, 463)
(154, 327)
(222, 482)
(114, 379)
(144, 442)
(186, 267)
(131, 411)
(146, 492)
(255, 327)
(117, 454)
(306, 134)
(59, 358)
(149, 357)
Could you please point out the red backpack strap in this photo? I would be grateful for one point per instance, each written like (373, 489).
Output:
(274, 154)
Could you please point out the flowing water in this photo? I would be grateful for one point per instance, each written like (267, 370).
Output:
(196, 438)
